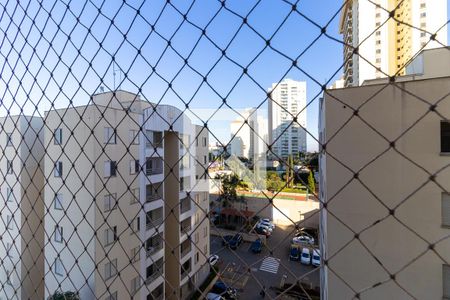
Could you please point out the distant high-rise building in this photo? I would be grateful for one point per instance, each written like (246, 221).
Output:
(287, 116)
(249, 135)
(386, 44)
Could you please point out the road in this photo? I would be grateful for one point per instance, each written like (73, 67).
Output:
(249, 272)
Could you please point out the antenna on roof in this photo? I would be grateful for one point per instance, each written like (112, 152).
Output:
(114, 75)
(102, 89)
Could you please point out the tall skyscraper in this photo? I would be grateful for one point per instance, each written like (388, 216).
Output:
(385, 45)
(287, 116)
(249, 135)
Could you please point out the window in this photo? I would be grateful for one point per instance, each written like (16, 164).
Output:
(204, 142)
(8, 277)
(57, 136)
(110, 168)
(9, 167)
(134, 196)
(110, 202)
(135, 254)
(111, 269)
(57, 172)
(58, 234)
(9, 249)
(110, 235)
(205, 231)
(196, 257)
(423, 15)
(58, 201)
(422, 5)
(378, 51)
(204, 159)
(445, 209)
(9, 194)
(445, 137)
(59, 269)
(134, 137)
(135, 283)
(446, 280)
(109, 135)
(8, 139)
(423, 34)
(112, 296)
(10, 222)
(134, 166)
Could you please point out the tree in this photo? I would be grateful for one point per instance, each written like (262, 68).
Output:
(289, 171)
(228, 185)
(64, 296)
(311, 182)
(273, 182)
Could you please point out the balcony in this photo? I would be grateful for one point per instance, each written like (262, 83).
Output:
(153, 139)
(154, 166)
(185, 248)
(153, 192)
(153, 245)
(185, 205)
(154, 218)
(152, 277)
(185, 226)
(154, 271)
(185, 269)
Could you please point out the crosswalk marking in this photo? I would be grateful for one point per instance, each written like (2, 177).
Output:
(270, 264)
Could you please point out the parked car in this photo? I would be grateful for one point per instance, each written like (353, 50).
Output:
(264, 231)
(303, 239)
(267, 222)
(309, 231)
(256, 246)
(315, 260)
(212, 296)
(213, 259)
(226, 240)
(264, 226)
(222, 289)
(295, 252)
(306, 256)
(235, 241)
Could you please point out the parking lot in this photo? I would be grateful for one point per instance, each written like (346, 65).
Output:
(249, 272)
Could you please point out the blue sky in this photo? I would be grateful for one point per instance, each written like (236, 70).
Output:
(61, 70)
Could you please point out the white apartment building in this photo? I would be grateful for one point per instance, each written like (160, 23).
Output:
(21, 208)
(385, 45)
(92, 197)
(175, 198)
(249, 135)
(377, 227)
(287, 100)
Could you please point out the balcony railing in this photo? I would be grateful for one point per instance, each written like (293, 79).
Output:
(153, 277)
(185, 251)
(185, 228)
(185, 205)
(155, 248)
(153, 223)
(153, 171)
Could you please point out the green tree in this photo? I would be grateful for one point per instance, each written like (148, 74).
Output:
(64, 296)
(228, 186)
(311, 183)
(273, 182)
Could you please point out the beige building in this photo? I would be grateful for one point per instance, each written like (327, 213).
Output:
(377, 226)
(173, 262)
(22, 208)
(385, 45)
(92, 197)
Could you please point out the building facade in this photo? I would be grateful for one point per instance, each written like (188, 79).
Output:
(175, 198)
(92, 196)
(287, 101)
(386, 45)
(377, 226)
(22, 207)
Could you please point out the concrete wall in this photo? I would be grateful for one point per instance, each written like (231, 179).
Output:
(390, 181)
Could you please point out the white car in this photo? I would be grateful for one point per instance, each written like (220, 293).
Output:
(264, 226)
(212, 296)
(213, 259)
(303, 239)
(305, 257)
(315, 260)
(264, 222)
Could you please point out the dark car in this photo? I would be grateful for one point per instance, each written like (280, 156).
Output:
(235, 241)
(294, 254)
(226, 240)
(256, 246)
(224, 290)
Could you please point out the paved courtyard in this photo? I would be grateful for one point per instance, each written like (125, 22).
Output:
(249, 272)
